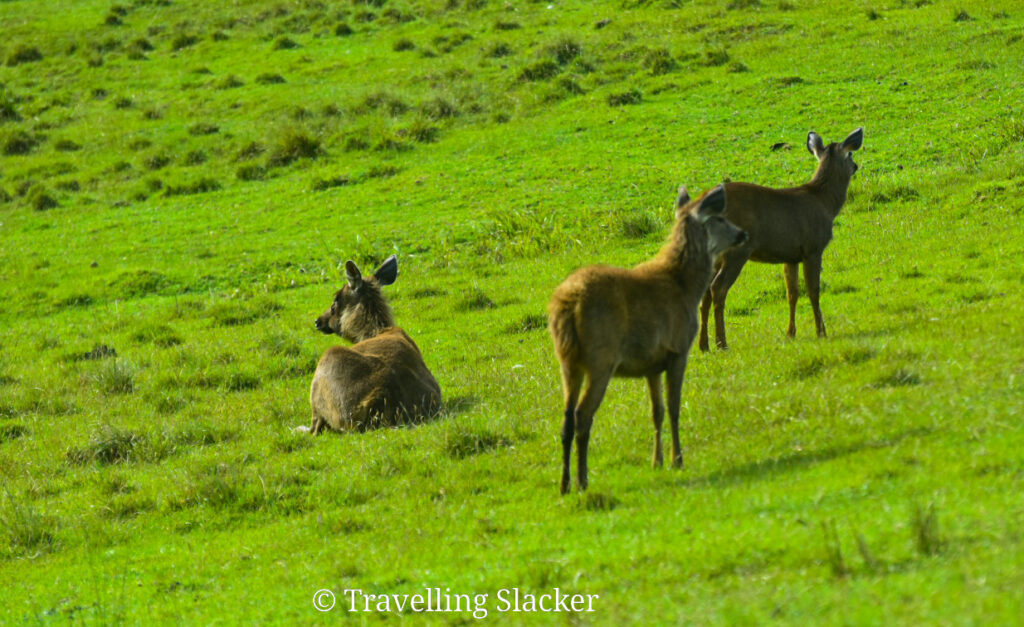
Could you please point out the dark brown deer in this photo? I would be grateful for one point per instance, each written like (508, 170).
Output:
(612, 322)
(788, 226)
(381, 379)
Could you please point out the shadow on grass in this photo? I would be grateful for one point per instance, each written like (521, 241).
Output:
(458, 405)
(869, 333)
(768, 468)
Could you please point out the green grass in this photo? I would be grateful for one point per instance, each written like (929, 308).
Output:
(180, 181)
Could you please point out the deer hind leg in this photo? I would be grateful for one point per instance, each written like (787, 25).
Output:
(674, 379)
(732, 264)
(572, 380)
(812, 277)
(597, 384)
(318, 424)
(658, 413)
(793, 292)
(316, 404)
(705, 310)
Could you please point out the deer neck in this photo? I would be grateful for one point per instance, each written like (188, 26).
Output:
(830, 185)
(367, 321)
(686, 256)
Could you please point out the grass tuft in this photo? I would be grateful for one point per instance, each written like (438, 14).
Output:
(230, 82)
(159, 335)
(203, 128)
(285, 43)
(10, 432)
(403, 44)
(269, 78)
(564, 51)
(630, 97)
(640, 225)
(439, 108)
(716, 57)
(291, 144)
(138, 283)
(66, 145)
(528, 323)
(592, 501)
(539, 71)
(109, 445)
(834, 550)
(40, 198)
(322, 184)
(99, 351)
(924, 526)
(113, 377)
(23, 53)
(467, 442)
(383, 101)
(898, 378)
(476, 300)
(182, 41)
(202, 185)
(18, 142)
(894, 194)
(659, 61)
(871, 562)
(26, 529)
(251, 172)
(239, 312)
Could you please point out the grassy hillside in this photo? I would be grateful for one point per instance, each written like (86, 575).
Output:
(180, 180)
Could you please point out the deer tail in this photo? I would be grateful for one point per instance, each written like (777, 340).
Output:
(562, 324)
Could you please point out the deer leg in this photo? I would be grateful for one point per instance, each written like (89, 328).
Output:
(658, 412)
(317, 425)
(571, 382)
(732, 264)
(793, 292)
(705, 310)
(674, 378)
(812, 277)
(597, 384)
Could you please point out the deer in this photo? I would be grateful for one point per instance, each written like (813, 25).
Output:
(381, 380)
(788, 226)
(640, 322)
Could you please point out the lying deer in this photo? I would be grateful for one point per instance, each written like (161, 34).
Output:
(380, 380)
(611, 322)
(789, 226)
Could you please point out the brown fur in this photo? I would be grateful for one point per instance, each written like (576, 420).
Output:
(788, 226)
(380, 380)
(607, 322)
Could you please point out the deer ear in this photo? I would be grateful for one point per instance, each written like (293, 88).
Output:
(712, 204)
(354, 276)
(682, 200)
(388, 271)
(815, 145)
(854, 140)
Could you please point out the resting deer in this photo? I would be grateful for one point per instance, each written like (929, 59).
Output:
(381, 379)
(789, 226)
(611, 322)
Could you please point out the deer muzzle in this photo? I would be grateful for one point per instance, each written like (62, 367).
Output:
(322, 325)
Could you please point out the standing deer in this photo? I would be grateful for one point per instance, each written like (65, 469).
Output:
(788, 226)
(381, 379)
(612, 322)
